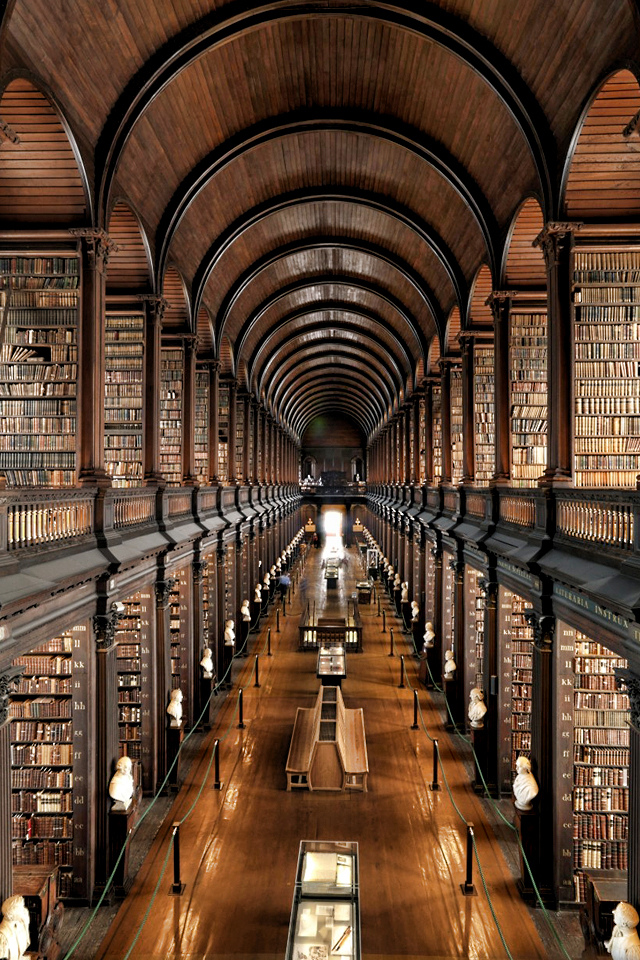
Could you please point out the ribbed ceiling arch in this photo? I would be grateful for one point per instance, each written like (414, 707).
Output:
(524, 263)
(129, 267)
(479, 310)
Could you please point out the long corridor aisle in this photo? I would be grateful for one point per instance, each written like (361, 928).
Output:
(240, 846)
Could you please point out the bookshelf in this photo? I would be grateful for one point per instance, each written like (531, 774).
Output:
(457, 426)
(38, 369)
(201, 429)
(180, 633)
(606, 368)
(474, 632)
(600, 762)
(239, 442)
(171, 385)
(528, 376)
(448, 607)
(134, 638)
(436, 436)
(422, 435)
(484, 413)
(124, 357)
(223, 436)
(516, 656)
(49, 761)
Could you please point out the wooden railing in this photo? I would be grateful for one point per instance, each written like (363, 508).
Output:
(450, 500)
(518, 509)
(179, 502)
(477, 505)
(133, 507)
(596, 518)
(48, 516)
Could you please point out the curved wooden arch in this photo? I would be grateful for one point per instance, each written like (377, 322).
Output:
(330, 349)
(226, 358)
(606, 115)
(523, 264)
(129, 266)
(321, 243)
(44, 180)
(434, 354)
(177, 314)
(337, 281)
(323, 306)
(314, 402)
(259, 368)
(381, 204)
(315, 380)
(286, 388)
(453, 329)
(314, 410)
(481, 289)
(388, 129)
(204, 332)
(419, 374)
(438, 26)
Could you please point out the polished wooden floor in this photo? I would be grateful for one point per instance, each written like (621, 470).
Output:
(239, 846)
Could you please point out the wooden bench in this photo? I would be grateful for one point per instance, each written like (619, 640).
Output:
(301, 748)
(356, 760)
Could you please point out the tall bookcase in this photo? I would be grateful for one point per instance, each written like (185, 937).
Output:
(516, 658)
(223, 427)
(39, 368)
(201, 429)
(180, 634)
(457, 425)
(124, 358)
(484, 413)
(474, 630)
(600, 762)
(422, 441)
(448, 607)
(239, 442)
(436, 434)
(49, 760)
(607, 367)
(528, 374)
(134, 639)
(171, 387)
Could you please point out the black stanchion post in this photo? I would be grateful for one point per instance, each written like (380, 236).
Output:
(217, 782)
(379, 610)
(391, 650)
(257, 683)
(269, 642)
(384, 621)
(434, 785)
(414, 725)
(177, 888)
(240, 710)
(467, 887)
(277, 621)
(401, 684)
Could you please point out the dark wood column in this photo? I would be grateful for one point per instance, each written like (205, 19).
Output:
(415, 431)
(434, 654)
(557, 241)
(189, 413)
(632, 683)
(500, 302)
(246, 438)
(106, 744)
(154, 311)
(428, 421)
(197, 631)
(95, 248)
(447, 460)
(7, 680)
(468, 412)
(163, 590)
(255, 446)
(455, 688)
(214, 421)
(486, 741)
(233, 431)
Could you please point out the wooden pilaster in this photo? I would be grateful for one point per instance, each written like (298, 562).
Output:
(154, 311)
(500, 302)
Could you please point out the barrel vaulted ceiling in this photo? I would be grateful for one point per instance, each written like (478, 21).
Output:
(316, 186)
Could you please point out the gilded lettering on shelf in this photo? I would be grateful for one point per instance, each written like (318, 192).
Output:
(601, 612)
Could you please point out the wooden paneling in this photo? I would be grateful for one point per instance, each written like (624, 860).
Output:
(204, 331)
(479, 311)
(525, 266)
(434, 355)
(40, 181)
(176, 315)
(128, 267)
(604, 178)
(453, 329)
(226, 357)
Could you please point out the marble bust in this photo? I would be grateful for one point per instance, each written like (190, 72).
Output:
(396, 582)
(257, 593)
(415, 611)
(14, 928)
(207, 664)
(525, 788)
(429, 637)
(245, 612)
(174, 707)
(404, 596)
(449, 665)
(121, 785)
(624, 943)
(229, 634)
(477, 708)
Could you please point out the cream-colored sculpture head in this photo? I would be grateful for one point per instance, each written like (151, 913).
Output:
(207, 663)
(525, 787)
(449, 664)
(477, 708)
(624, 943)
(121, 785)
(14, 928)
(174, 707)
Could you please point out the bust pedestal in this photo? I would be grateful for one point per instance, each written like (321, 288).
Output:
(207, 685)
(121, 820)
(255, 614)
(244, 637)
(527, 825)
(175, 736)
(397, 594)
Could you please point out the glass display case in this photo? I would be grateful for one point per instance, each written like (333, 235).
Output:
(325, 916)
(332, 665)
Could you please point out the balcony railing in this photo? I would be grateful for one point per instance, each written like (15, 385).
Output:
(606, 519)
(45, 517)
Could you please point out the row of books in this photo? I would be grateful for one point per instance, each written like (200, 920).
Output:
(27, 730)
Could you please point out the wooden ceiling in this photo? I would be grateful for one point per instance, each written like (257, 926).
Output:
(323, 191)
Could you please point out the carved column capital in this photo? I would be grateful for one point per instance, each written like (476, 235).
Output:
(488, 588)
(156, 303)
(632, 684)
(163, 590)
(543, 628)
(555, 238)
(105, 626)
(199, 567)
(98, 246)
(7, 680)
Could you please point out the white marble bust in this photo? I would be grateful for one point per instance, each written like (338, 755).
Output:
(266, 580)
(257, 593)
(624, 943)
(396, 582)
(207, 664)
(14, 928)
(245, 611)
(429, 637)
(174, 707)
(404, 596)
(525, 788)
(229, 634)
(449, 665)
(477, 708)
(121, 785)
(415, 611)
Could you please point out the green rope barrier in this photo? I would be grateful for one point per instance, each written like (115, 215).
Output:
(489, 901)
(151, 902)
